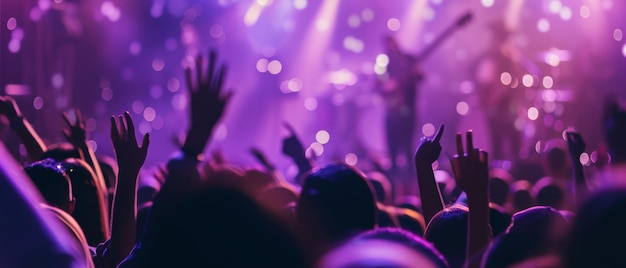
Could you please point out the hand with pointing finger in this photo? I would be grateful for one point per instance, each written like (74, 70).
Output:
(429, 149)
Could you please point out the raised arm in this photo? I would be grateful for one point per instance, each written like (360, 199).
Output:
(426, 154)
(208, 103)
(293, 148)
(130, 158)
(76, 134)
(576, 146)
(35, 147)
(471, 173)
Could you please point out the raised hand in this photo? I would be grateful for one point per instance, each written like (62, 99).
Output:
(292, 146)
(9, 108)
(575, 144)
(262, 158)
(428, 152)
(75, 133)
(208, 102)
(130, 156)
(429, 149)
(471, 173)
(130, 159)
(470, 166)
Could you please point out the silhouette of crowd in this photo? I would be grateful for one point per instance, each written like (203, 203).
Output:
(70, 207)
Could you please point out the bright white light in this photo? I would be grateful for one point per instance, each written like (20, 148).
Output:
(294, 85)
(367, 14)
(351, 159)
(382, 60)
(11, 23)
(317, 148)
(428, 129)
(462, 108)
(487, 3)
(310, 104)
(353, 44)
(543, 25)
(354, 21)
(393, 24)
(261, 65)
(299, 4)
(555, 6)
(322, 25)
(506, 78)
(110, 11)
(264, 3)
(584, 159)
(566, 13)
(274, 67)
(549, 95)
(527, 80)
(253, 14)
(533, 113)
(322, 136)
(624, 50)
(149, 114)
(548, 82)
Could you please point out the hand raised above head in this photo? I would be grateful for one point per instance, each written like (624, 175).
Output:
(429, 149)
(292, 146)
(470, 166)
(575, 144)
(208, 102)
(130, 156)
(75, 133)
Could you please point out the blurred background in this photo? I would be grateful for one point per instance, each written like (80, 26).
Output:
(312, 64)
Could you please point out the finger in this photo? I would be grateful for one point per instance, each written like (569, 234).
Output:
(469, 142)
(188, 80)
(131, 126)
(79, 117)
(66, 119)
(145, 142)
(66, 134)
(289, 128)
(439, 133)
(483, 156)
(122, 129)
(199, 71)
(114, 131)
(459, 144)
(211, 68)
(219, 83)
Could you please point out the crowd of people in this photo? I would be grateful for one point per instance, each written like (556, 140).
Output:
(69, 207)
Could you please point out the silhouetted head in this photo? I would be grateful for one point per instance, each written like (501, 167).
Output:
(91, 210)
(336, 202)
(382, 187)
(598, 232)
(498, 190)
(61, 151)
(499, 219)
(385, 247)
(219, 227)
(447, 230)
(411, 220)
(521, 197)
(555, 159)
(550, 195)
(615, 130)
(535, 232)
(53, 183)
